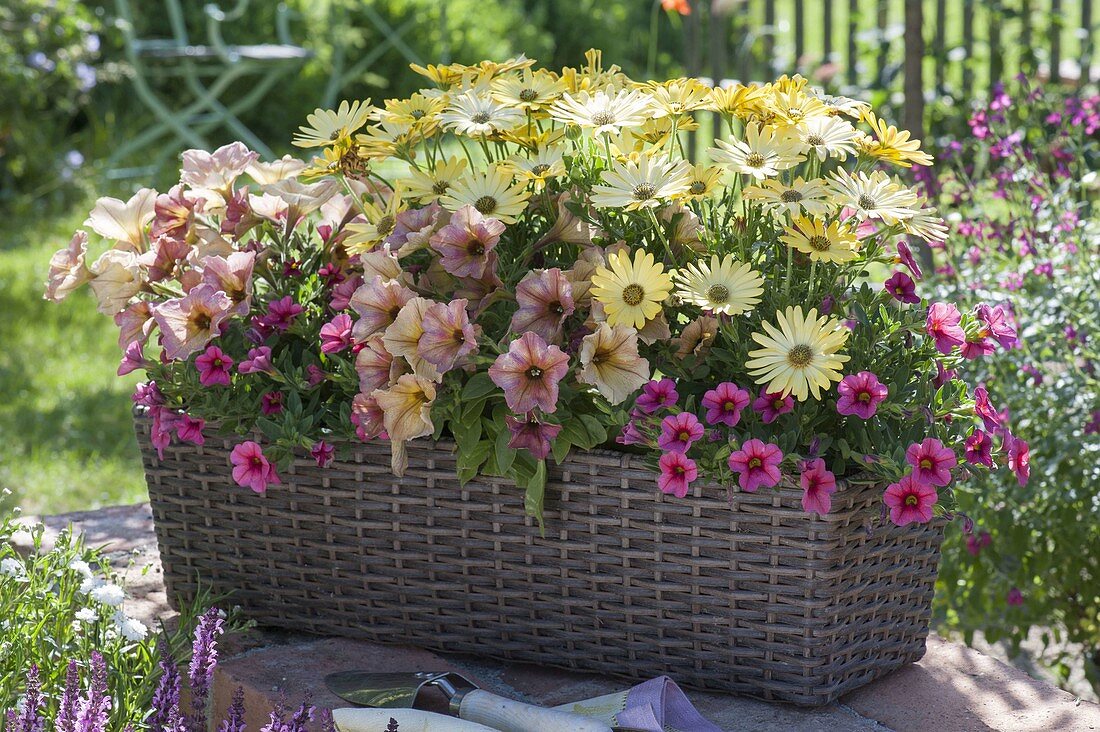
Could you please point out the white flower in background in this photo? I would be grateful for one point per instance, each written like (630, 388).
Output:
(12, 567)
(129, 628)
(86, 615)
(89, 584)
(81, 567)
(109, 594)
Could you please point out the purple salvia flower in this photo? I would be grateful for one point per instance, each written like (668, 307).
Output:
(325, 720)
(275, 721)
(204, 657)
(166, 698)
(66, 710)
(30, 719)
(302, 717)
(234, 716)
(94, 706)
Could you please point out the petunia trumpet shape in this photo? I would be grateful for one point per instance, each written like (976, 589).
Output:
(610, 362)
(466, 242)
(407, 409)
(545, 300)
(529, 374)
(188, 323)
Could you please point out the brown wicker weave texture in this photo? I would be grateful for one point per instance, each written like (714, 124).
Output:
(743, 593)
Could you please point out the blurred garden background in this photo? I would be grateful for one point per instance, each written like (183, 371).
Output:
(101, 97)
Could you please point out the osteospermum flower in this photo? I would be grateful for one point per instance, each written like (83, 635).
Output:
(821, 241)
(448, 335)
(610, 362)
(214, 367)
(910, 501)
(631, 291)
(827, 136)
(544, 165)
(800, 195)
(724, 286)
(466, 243)
(529, 374)
(762, 154)
(251, 469)
(679, 431)
(724, 404)
(860, 395)
(818, 486)
(644, 184)
(527, 90)
(892, 145)
(657, 395)
(800, 357)
(429, 185)
(479, 115)
(678, 471)
(931, 461)
(328, 127)
(756, 464)
(491, 192)
(874, 196)
(532, 435)
(545, 300)
(942, 325)
(602, 113)
(901, 287)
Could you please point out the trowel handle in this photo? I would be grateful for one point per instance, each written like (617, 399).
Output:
(508, 715)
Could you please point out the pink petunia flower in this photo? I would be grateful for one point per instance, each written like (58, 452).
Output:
(931, 461)
(771, 405)
(233, 276)
(677, 473)
(657, 395)
(997, 322)
(910, 501)
(188, 323)
(281, 314)
(976, 542)
(631, 434)
(531, 435)
(1019, 458)
(905, 256)
(679, 431)
(1014, 598)
(251, 469)
(189, 429)
(133, 359)
(979, 448)
(323, 453)
(213, 366)
(545, 300)
(818, 486)
(943, 325)
(976, 346)
(901, 287)
(336, 334)
(943, 375)
(529, 373)
(377, 304)
(466, 242)
(448, 335)
(343, 291)
(271, 403)
(757, 464)
(724, 403)
(984, 408)
(860, 394)
(258, 361)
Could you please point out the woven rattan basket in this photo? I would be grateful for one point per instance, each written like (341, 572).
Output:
(743, 593)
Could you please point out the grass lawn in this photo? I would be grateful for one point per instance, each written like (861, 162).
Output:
(66, 438)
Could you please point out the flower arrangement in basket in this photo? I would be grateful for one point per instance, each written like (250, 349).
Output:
(528, 262)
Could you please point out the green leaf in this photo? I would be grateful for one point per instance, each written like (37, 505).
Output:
(536, 493)
(479, 385)
(505, 455)
(469, 461)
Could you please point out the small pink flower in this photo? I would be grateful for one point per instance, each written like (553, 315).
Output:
(190, 429)
(213, 366)
(724, 403)
(133, 359)
(991, 418)
(343, 291)
(1019, 458)
(931, 461)
(323, 453)
(1014, 598)
(943, 375)
(529, 373)
(905, 256)
(258, 361)
(818, 486)
(771, 405)
(677, 473)
(860, 394)
(900, 286)
(910, 501)
(336, 334)
(757, 464)
(979, 448)
(943, 325)
(976, 542)
(545, 300)
(281, 314)
(657, 395)
(531, 435)
(998, 323)
(271, 403)
(251, 469)
(976, 346)
(679, 431)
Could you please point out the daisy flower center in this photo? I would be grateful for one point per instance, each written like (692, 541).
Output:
(791, 196)
(440, 187)
(815, 140)
(820, 243)
(644, 191)
(633, 294)
(540, 168)
(718, 294)
(866, 202)
(755, 462)
(486, 205)
(385, 225)
(528, 95)
(754, 160)
(800, 356)
(534, 372)
(697, 187)
(603, 118)
(481, 118)
(417, 113)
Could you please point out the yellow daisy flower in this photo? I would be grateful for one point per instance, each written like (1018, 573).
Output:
(725, 286)
(414, 110)
(704, 182)
(809, 196)
(738, 100)
(327, 127)
(800, 357)
(429, 185)
(631, 292)
(443, 75)
(643, 184)
(821, 241)
(892, 145)
(538, 168)
(492, 193)
(794, 107)
(675, 97)
(762, 154)
(529, 91)
(363, 237)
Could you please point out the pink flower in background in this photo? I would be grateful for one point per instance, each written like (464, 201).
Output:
(679, 431)
(545, 300)
(315, 375)
(910, 501)
(529, 373)
(342, 292)
(818, 487)
(757, 464)
(133, 359)
(630, 434)
(976, 346)
(943, 375)
(902, 288)
(979, 448)
(271, 403)
(998, 323)
(147, 394)
(905, 256)
(323, 453)
(860, 394)
(1014, 598)
(943, 325)
(258, 361)
(1019, 458)
(976, 542)
(677, 473)
(281, 314)
(164, 423)
(188, 323)
(657, 395)
(213, 366)
(466, 242)
(931, 461)
(448, 336)
(531, 435)
(251, 469)
(189, 429)
(336, 334)
(771, 405)
(985, 409)
(1092, 427)
(724, 403)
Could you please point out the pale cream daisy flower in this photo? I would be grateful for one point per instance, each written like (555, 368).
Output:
(762, 154)
(809, 196)
(644, 184)
(704, 182)
(724, 286)
(491, 192)
(926, 224)
(800, 357)
(529, 91)
(828, 136)
(602, 113)
(874, 196)
(429, 185)
(328, 127)
(479, 115)
(544, 165)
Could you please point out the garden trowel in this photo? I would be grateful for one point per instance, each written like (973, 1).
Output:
(464, 700)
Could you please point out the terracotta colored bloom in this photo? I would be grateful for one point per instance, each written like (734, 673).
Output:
(756, 464)
(943, 325)
(610, 362)
(1019, 458)
(984, 408)
(725, 402)
(979, 448)
(407, 410)
(336, 334)
(323, 453)
(818, 487)
(677, 473)
(679, 431)
(531, 435)
(233, 276)
(772, 405)
(448, 335)
(860, 394)
(657, 395)
(67, 270)
(271, 403)
(258, 361)
(529, 373)
(931, 461)
(213, 366)
(545, 300)
(190, 429)
(465, 243)
(377, 304)
(1014, 598)
(281, 313)
(901, 287)
(251, 469)
(910, 501)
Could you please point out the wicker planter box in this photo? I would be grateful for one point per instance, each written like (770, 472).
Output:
(744, 594)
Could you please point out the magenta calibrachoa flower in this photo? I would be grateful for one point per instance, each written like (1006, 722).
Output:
(979, 448)
(860, 395)
(772, 405)
(996, 321)
(1019, 458)
(281, 314)
(323, 453)
(679, 431)
(943, 326)
(532, 435)
(271, 403)
(931, 461)
(214, 366)
(757, 464)
(910, 500)
(545, 300)
(724, 403)
(251, 469)
(190, 429)
(657, 395)
(677, 473)
(1014, 598)
(984, 408)
(902, 288)
(818, 486)
(336, 334)
(466, 243)
(976, 542)
(529, 374)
